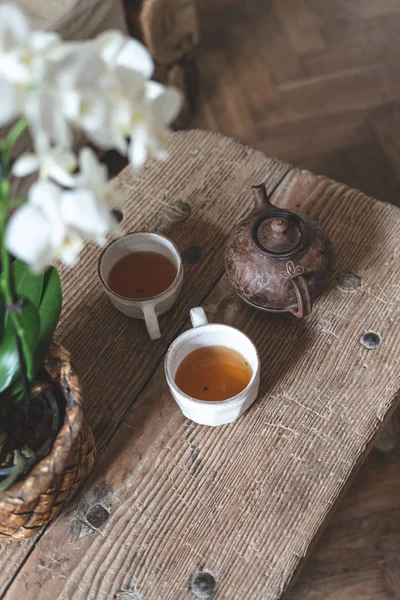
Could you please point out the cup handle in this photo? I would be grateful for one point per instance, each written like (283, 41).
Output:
(151, 320)
(198, 316)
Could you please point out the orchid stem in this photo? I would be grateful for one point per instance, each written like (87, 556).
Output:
(16, 131)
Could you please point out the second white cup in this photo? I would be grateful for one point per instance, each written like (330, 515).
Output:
(203, 334)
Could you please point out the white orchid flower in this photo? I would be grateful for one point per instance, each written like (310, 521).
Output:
(52, 163)
(72, 92)
(36, 232)
(92, 173)
(87, 208)
(85, 215)
(14, 32)
(149, 128)
(22, 55)
(30, 238)
(143, 115)
(93, 176)
(129, 65)
(80, 78)
(124, 89)
(54, 223)
(21, 50)
(117, 50)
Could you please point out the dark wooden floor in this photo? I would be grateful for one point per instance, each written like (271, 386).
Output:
(313, 82)
(317, 83)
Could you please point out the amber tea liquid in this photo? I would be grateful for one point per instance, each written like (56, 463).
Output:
(213, 373)
(142, 275)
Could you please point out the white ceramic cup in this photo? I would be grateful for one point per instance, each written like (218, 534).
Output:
(144, 308)
(203, 334)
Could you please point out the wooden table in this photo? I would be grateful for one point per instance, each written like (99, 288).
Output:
(170, 499)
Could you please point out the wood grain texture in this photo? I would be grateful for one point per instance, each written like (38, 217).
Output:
(355, 142)
(90, 326)
(357, 556)
(244, 501)
(150, 199)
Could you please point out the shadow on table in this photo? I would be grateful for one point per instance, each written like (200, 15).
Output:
(113, 354)
(117, 361)
(155, 419)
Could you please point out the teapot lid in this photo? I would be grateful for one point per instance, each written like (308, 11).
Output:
(279, 233)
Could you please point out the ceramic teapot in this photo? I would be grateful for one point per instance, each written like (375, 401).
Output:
(279, 260)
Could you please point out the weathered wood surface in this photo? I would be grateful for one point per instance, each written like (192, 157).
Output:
(245, 55)
(90, 326)
(245, 501)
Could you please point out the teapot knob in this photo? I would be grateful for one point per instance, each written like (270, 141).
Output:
(279, 225)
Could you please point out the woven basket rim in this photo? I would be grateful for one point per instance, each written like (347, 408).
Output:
(56, 460)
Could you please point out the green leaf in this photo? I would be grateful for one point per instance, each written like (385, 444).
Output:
(12, 396)
(49, 312)
(9, 359)
(27, 285)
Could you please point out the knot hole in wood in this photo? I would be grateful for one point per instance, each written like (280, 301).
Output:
(203, 584)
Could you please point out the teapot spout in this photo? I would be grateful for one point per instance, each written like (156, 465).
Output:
(261, 198)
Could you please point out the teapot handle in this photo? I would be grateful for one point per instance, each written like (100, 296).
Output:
(302, 291)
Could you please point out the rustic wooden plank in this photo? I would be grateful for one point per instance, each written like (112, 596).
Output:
(244, 501)
(338, 28)
(349, 43)
(92, 329)
(149, 196)
(12, 556)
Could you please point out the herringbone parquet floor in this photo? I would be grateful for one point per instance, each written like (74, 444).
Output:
(313, 82)
(317, 83)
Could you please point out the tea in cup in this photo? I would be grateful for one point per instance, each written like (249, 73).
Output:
(213, 371)
(142, 274)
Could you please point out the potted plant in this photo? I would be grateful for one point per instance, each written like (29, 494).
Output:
(51, 89)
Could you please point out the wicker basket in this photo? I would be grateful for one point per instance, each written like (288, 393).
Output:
(33, 502)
